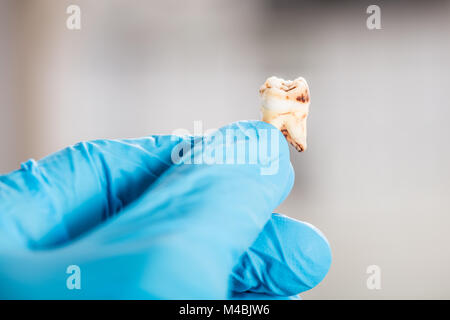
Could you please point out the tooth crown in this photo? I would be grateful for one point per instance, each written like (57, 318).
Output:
(285, 96)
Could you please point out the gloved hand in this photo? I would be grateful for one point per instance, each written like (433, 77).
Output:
(141, 227)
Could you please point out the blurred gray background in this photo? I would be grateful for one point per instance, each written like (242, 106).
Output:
(376, 176)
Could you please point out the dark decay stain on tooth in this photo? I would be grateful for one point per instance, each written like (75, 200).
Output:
(292, 88)
(303, 98)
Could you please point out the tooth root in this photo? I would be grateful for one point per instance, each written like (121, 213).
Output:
(296, 128)
(297, 146)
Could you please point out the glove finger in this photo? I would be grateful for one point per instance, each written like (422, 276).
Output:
(53, 200)
(288, 257)
(182, 237)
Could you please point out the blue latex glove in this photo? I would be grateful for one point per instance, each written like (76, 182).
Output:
(140, 227)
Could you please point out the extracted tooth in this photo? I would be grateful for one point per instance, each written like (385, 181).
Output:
(285, 104)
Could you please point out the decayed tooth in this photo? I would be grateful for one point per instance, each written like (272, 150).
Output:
(285, 104)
